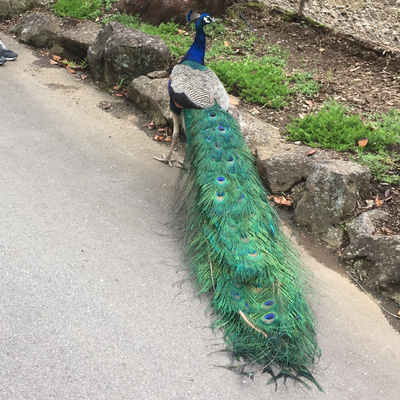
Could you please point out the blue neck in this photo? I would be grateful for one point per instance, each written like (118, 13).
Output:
(198, 48)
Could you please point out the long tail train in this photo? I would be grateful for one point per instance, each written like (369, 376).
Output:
(237, 251)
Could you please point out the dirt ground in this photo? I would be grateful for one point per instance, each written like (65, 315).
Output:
(361, 76)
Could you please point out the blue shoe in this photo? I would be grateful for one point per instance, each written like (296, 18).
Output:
(8, 54)
(2, 60)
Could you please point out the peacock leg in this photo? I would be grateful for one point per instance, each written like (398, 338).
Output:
(175, 135)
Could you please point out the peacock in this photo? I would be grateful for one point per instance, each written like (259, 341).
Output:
(235, 246)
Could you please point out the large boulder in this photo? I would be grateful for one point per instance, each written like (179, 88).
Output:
(376, 262)
(120, 53)
(10, 8)
(38, 30)
(76, 41)
(157, 11)
(256, 132)
(330, 197)
(364, 224)
(284, 165)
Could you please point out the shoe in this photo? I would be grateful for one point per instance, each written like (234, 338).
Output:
(2, 60)
(8, 54)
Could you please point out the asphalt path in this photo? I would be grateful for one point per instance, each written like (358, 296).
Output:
(89, 305)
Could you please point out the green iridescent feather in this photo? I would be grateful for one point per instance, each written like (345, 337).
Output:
(237, 251)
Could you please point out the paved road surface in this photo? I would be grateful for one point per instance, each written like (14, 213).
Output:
(88, 306)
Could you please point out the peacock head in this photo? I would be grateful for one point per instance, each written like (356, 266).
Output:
(201, 19)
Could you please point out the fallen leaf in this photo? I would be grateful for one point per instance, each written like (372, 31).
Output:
(311, 152)
(107, 106)
(83, 76)
(378, 202)
(151, 123)
(118, 95)
(71, 71)
(56, 58)
(370, 203)
(388, 231)
(180, 31)
(159, 137)
(254, 111)
(387, 193)
(168, 139)
(53, 62)
(362, 142)
(233, 101)
(116, 87)
(309, 102)
(226, 43)
(282, 201)
(170, 130)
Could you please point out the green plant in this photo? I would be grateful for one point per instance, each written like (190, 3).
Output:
(305, 83)
(382, 165)
(215, 29)
(389, 122)
(255, 80)
(84, 63)
(336, 128)
(121, 82)
(81, 9)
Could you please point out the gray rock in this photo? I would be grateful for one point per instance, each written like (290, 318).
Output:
(151, 96)
(330, 197)
(285, 165)
(158, 74)
(156, 11)
(123, 53)
(376, 260)
(364, 223)
(256, 133)
(13, 7)
(38, 30)
(77, 40)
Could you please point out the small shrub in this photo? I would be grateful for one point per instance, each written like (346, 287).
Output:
(305, 83)
(258, 81)
(334, 127)
(382, 166)
(81, 9)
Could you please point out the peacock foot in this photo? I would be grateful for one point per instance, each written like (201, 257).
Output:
(166, 160)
